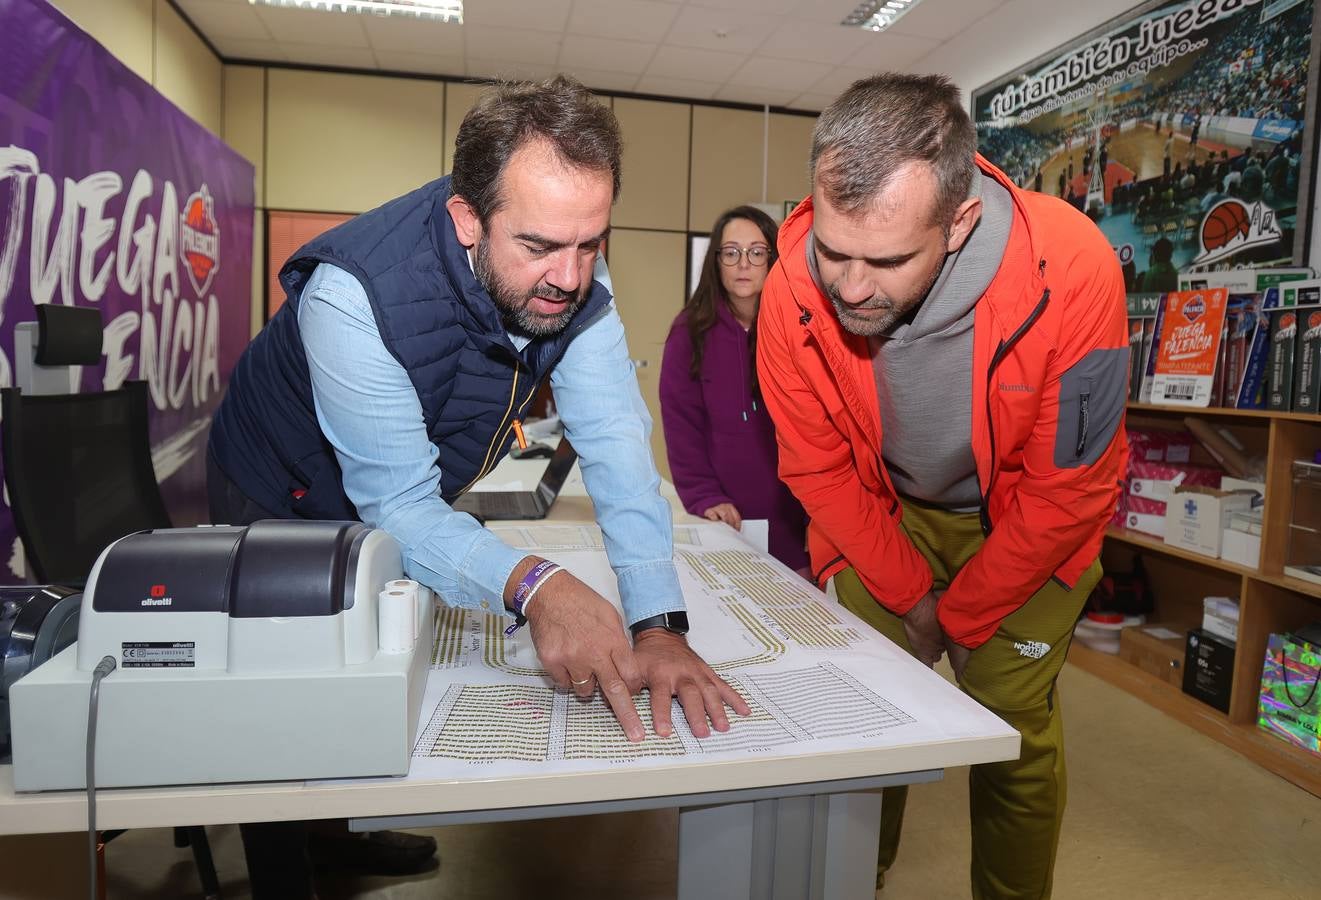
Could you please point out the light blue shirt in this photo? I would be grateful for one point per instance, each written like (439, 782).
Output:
(370, 412)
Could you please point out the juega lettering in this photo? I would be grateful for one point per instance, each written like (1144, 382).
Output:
(1113, 51)
(178, 346)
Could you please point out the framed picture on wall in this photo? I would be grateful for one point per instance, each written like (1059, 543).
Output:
(1187, 132)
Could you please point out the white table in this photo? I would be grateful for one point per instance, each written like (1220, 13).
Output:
(774, 826)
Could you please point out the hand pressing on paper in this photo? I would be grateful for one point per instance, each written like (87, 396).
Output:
(580, 639)
(727, 513)
(670, 668)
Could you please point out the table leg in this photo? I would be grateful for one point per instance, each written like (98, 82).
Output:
(821, 847)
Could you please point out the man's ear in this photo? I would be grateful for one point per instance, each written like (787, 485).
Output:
(966, 218)
(467, 224)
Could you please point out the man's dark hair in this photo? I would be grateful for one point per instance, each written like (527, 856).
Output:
(882, 123)
(583, 131)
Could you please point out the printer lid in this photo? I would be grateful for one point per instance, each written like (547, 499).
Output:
(274, 567)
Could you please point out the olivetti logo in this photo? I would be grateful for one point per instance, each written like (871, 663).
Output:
(158, 597)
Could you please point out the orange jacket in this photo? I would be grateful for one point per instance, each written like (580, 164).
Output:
(1049, 342)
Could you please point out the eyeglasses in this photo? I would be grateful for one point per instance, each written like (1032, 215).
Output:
(730, 255)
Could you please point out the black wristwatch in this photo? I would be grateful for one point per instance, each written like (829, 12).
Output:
(673, 622)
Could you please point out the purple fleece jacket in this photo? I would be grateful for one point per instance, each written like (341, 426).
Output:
(720, 439)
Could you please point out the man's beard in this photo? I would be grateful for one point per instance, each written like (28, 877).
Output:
(515, 306)
(878, 325)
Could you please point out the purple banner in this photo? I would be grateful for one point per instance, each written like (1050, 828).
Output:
(112, 198)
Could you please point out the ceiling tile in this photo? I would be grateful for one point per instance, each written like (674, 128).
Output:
(537, 48)
(307, 26)
(422, 63)
(507, 68)
(226, 20)
(637, 20)
(744, 94)
(782, 74)
(714, 29)
(541, 15)
(603, 81)
(823, 12)
(934, 19)
(753, 7)
(837, 81)
(412, 35)
(889, 52)
(321, 55)
(687, 62)
(813, 42)
(605, 55)
(677, 87)
(265, 51)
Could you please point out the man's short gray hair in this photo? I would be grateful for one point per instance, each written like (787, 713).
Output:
(882, 123)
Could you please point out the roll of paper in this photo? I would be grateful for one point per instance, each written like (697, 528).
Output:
(396, 612)
(414, 590)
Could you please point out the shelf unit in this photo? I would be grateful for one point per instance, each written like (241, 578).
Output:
(1269, 601)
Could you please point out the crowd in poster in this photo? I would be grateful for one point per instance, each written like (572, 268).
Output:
(1178, 128)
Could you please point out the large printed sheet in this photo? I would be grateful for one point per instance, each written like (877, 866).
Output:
(817, 678)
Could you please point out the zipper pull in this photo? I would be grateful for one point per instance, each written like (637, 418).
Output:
(754, 405)
(518, 435)
(745, 415)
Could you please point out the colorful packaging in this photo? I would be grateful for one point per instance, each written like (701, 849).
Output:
(1284, 339)
(1307, 366)
(1189, 347)
(1289, 705)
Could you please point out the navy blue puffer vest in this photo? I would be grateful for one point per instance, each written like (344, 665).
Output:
(433, 316)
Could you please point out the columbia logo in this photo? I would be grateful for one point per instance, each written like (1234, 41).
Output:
(1020, 388)
(1032, 649)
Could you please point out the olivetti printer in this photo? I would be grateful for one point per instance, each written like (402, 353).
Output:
(282, 650)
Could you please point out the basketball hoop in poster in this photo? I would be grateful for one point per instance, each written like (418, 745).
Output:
(1189, 347)
(1232, 226)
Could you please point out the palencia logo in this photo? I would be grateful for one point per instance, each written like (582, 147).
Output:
(1313, 327)
(1288, 328)
(199, 239)
(1194, 308)
(1232, 226)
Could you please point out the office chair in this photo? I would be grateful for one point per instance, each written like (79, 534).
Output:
(78, 468)
(79, 474)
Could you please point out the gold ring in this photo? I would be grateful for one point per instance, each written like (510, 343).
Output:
(580, 683)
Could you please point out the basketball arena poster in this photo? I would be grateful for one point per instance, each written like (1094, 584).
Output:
(1182, 129)
(112, 198)
(1189, 347)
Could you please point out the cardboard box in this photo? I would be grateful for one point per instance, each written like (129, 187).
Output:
(1196, 517)
(1241, 547)
(1220, 618)
(1208, 669)
(1147, 523)
(1156, 649)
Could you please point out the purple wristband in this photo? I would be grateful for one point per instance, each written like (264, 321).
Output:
(524, 589)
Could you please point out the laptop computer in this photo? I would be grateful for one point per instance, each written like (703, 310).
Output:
(534, 504)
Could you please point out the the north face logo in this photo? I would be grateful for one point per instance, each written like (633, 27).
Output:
(199, 239)
(1032, 649)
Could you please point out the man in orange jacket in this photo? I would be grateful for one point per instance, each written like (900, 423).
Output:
(921, 295)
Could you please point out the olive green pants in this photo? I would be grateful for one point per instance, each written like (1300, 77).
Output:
(1016, 807)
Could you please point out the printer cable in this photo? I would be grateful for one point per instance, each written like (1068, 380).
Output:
(103, 668)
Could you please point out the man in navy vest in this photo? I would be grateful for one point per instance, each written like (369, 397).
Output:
(414, 338)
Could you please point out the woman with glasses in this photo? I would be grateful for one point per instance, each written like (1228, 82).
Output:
(718, 435)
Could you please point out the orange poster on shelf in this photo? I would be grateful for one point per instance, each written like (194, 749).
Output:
(1189, 347)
